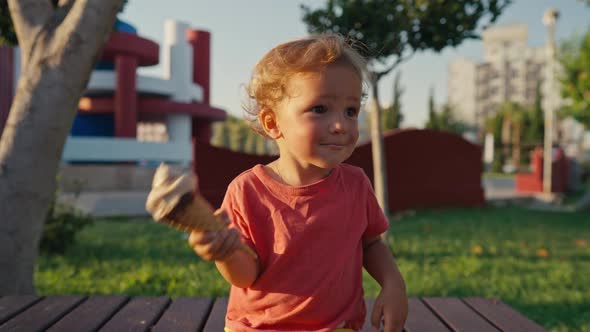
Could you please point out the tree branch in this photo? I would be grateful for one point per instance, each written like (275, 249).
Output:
(28, 17)
(63, 3)
(85, 20)
(397, 61)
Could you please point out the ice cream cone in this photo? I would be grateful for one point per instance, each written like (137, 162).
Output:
(174, 201)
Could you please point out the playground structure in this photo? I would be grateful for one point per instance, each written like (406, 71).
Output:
(125, 117)
(128, 123)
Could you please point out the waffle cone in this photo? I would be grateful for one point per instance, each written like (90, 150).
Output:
(193, 212)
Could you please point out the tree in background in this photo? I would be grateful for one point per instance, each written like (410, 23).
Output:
(514, 115)
(448, 121)
(235, 134)
(575, 87)
(59, 46)
(392, 116)
(493, 125)
(575, 82)
(7, 34)
(516, 128)
(220, 136)
(444, 120)
(534, 126)
(432, 122)
(392, 32)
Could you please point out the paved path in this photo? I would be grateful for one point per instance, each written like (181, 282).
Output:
(132, 203)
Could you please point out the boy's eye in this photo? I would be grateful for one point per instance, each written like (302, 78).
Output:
(319, 109)
(351, 112)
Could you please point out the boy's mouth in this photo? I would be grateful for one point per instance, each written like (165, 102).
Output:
(334, 146)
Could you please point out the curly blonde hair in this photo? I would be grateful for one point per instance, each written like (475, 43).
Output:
(271, 74)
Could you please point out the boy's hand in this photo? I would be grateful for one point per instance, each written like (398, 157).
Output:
(217, 245)
(392, 306)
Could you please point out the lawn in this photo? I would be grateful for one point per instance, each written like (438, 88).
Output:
(537, 262)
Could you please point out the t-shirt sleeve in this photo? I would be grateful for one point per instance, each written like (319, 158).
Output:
(233, 205)
(377, 222)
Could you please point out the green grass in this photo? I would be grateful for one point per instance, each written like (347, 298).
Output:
(496, 175)
(537, 262)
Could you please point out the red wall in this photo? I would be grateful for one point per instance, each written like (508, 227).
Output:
(427, 169)
(217, 167)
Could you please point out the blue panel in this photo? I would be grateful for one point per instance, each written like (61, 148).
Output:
(125, 27)
(93, 125)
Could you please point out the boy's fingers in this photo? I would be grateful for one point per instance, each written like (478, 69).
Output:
(217, 244)
(376, 316)
(222, 214)
(218, 211)
(200, 238)
(229, 246)
(195, 238)
(388, 325)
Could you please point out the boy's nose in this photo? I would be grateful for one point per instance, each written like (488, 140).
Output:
(338, 125)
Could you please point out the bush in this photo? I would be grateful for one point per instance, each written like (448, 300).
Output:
(62, 223)
(585, 173)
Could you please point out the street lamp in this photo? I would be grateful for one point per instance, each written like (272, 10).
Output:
(549, 20)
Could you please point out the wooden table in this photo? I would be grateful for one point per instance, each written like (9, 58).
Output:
(123, 313)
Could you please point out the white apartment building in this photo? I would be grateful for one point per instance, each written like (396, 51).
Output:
(510, 71)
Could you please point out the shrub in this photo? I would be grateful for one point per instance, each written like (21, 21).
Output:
(62, 223)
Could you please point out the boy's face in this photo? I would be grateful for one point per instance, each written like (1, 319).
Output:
(318, 119)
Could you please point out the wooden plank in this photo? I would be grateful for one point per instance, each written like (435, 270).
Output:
(420, 318)
(458, 316)
(42, 314)
(216, 320)
(139, 314)
(90, 315)
(10, 306)
(503, 316)
(185, 314)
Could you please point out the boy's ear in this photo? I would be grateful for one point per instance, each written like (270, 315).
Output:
(268, 120)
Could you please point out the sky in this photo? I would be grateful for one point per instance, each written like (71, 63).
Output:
(243, 31)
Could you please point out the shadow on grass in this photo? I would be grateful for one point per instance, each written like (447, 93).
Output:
(554, 315)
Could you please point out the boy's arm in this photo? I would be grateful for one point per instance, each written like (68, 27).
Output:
(392, 303)
(239, 269)
(379, 262)
(235, 265)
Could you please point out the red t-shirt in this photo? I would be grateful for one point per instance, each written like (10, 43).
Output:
(309, 243)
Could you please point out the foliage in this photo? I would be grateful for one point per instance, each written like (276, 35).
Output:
(444, 120)
(400, 28)
(517, 131)
(534, 121)
(392, 116)
(7, 34)
(432, 119)
(531, 260)
(575, 81)
(62, 224)
(235, 134)
(391, 32)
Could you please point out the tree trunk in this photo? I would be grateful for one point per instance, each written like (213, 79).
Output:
(583, 203)
(379, 160)
(516, 146)
(59, 48)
